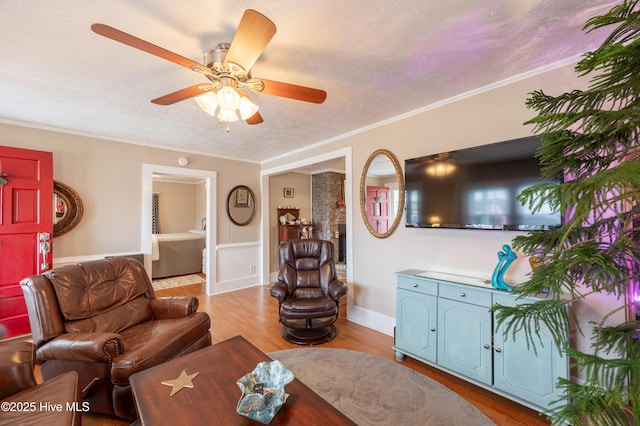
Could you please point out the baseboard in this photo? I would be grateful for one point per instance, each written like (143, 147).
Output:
(237, 284)
(379, 322)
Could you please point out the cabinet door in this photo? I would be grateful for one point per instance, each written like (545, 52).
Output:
(288, 232)
(416, 322)
(464, 339)
(535, 383)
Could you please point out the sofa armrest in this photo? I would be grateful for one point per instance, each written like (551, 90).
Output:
(174, 307)
(91, 347)
(337, 289)
(278, 290)
(16, 367)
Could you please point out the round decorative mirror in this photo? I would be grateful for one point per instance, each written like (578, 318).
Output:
(67, 209)
(241, 205)
(381, 193)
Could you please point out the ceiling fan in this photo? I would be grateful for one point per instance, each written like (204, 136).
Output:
(228, 68)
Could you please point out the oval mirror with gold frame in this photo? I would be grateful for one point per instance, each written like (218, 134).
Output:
(241, 205)
(67, 208)
(382, 193)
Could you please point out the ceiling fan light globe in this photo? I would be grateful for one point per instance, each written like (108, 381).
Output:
(208, 103)
(227, 115)
(228, 98)
(247, 108)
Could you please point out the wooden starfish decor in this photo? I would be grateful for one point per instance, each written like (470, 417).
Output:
(184, 380)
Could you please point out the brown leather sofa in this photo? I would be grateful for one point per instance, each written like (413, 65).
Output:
(102, 319)
(24, 402)
(308, 291)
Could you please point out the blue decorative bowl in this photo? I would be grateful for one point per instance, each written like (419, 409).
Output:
(263, 391)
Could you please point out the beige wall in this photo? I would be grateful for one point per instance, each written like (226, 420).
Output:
(201, 205)
(108, 177)
(176, 206)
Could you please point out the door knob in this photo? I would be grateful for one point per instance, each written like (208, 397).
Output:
(45, 248)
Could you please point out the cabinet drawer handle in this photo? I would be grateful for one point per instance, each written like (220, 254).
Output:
(462, 294)
(498, 350)
(486, 346)
(433, 329)
(415, 285)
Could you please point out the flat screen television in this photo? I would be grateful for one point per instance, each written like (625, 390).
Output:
(476, 188)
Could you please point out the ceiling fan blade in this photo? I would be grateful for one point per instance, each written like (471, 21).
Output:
(129, 40)
(255, 118)
(291, 91)
(182, 94)
(252, 36)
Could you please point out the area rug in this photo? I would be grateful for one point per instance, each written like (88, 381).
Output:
(373, 391)
(178, 281)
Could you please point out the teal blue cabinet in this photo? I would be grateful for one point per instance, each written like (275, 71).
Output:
(445, 320)
(536, 382)
(416, 328)
(464, 339)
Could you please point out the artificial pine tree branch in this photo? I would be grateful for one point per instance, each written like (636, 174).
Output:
(591, 137)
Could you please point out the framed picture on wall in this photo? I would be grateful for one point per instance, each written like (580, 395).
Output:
(288, 193)
(242, 197)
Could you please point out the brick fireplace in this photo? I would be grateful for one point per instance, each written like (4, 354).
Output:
(329, 214)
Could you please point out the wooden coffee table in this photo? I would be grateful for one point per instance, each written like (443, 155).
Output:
(214, 397)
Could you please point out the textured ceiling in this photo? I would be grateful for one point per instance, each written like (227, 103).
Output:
(376, 59)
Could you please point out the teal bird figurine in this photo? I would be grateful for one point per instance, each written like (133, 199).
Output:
(505, 258)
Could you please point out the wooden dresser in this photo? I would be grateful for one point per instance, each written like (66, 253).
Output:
(288, 231)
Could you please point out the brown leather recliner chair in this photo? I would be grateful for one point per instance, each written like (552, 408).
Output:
(102, 319)
(24, 402)
(308, 291)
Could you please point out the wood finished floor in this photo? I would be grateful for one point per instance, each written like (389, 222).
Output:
(252, 313)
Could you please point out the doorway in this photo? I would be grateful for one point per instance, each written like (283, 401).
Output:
(210, 179)
(308, 166)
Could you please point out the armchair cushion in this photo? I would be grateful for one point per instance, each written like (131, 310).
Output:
(91, 288)
(120, 318)
(309, 307)
(100, 296)
(154, 342)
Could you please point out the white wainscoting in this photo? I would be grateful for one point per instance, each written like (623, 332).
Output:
(238, 266)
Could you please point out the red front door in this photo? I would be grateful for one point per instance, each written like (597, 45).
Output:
(26, 216)
(378, 208)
